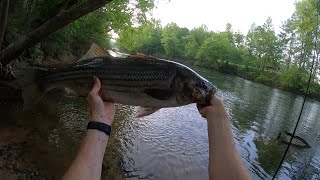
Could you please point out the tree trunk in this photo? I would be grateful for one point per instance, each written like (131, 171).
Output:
(3, 20)
(290, 51)
(62, 19)
(302, 55)
(316, 64)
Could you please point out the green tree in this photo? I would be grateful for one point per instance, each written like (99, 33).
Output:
(143, 39)
(298, 35)
(238, 39)
(174, 40)
(294, 78)
(194, 40)
(229, 32)
(217, 48)
(264, 44)
(288, 39)
(305, 23)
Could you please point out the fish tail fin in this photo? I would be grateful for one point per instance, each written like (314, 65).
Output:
(27, 79)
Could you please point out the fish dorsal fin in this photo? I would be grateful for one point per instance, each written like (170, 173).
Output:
(145, 111)
(94, 51)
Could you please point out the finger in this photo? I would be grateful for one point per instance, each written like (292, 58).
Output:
(96, 86)
(201, 106)
(201, 109)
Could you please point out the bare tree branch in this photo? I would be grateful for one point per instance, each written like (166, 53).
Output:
(62, 19)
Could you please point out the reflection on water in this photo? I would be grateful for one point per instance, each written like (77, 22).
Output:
(172, 143)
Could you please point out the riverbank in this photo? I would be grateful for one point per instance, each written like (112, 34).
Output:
(295, 81)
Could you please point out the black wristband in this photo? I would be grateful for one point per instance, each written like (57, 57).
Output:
(100, 126)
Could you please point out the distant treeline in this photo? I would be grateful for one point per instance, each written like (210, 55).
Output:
(282, 60)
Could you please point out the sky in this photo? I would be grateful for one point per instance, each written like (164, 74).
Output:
(216, 13)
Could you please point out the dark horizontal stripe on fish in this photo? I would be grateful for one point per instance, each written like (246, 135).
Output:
(142, 74)
(128, 77)
(88, 77)
(108, 82)
(147, 76)
(120, 69)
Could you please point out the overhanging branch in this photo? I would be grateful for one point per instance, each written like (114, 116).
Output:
(62, 19)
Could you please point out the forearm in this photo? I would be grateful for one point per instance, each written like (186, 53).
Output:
(224, 159)
(88, 163)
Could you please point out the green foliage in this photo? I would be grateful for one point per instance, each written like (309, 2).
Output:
(143, 39)
(294, 78)
(314, 89)
(36, 54)
(217, 47)
(174, 41)
(80, 34)
(194, 40)
(257, 56)
(264, 44)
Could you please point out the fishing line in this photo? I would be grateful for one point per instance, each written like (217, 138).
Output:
(315, 56)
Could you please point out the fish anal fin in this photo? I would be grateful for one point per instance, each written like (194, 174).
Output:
(94, 51)
(145, 111)
(161, 94)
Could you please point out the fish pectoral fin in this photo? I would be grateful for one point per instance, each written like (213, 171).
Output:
(94, 51)
(161, 94)
(145, 111)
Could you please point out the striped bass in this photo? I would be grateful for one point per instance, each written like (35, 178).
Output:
(136, 80)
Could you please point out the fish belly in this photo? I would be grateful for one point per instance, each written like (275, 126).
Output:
(136, 98)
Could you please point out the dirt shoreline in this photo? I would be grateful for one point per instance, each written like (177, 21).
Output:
(28, 148)
(15, 162)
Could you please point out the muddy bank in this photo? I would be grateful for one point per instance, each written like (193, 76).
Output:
(14, 160)
(30, 145)
(42, 144)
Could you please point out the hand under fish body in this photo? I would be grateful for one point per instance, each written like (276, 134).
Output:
(135, 80)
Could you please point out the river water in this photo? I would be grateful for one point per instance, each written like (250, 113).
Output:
(171, 143)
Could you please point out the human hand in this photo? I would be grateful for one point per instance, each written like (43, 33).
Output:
(216, 106)
(100, 111)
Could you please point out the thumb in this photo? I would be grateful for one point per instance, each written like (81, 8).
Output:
(96, 86)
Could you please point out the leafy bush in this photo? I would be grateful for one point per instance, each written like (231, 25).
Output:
(294, 78)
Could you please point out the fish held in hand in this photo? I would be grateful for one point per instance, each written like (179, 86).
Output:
(135, 80)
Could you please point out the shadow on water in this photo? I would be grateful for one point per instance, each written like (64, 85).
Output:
(169, 144)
